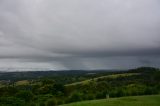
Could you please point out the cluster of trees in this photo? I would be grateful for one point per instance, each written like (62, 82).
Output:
(50, 92)
(44, 94)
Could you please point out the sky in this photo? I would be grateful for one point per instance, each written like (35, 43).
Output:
(79, 34)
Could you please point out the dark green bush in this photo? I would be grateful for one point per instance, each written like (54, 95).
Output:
(25, 95)
(76, 96)
(52, 102)
(11, 101)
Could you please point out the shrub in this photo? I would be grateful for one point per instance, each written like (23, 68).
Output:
(42, 104)
(32, 104)
(75, 97)
(25, 95)
(52, 102)
(11, 101)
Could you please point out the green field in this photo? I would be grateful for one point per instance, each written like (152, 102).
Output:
(153, 100)
(114, 76)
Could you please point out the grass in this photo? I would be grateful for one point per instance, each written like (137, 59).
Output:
(108, 76)
(152, 100)
(22, 82)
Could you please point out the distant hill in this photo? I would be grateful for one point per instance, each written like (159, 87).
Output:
(144, 69)
(25, 75)
(38, 74)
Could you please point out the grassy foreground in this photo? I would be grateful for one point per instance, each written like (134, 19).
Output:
(153, 100)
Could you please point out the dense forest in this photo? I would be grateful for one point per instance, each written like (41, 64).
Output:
(53, 88)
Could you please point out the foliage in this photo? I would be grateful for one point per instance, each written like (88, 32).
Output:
(11, 101)
(75, 97)
(25, 95)
(52, 102)
(69, 87)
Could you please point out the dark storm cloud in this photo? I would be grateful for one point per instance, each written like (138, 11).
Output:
(79, 34)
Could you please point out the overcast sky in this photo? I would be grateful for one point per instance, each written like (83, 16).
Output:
(79, 34)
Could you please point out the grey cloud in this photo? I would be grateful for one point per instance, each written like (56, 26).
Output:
(65, 33)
